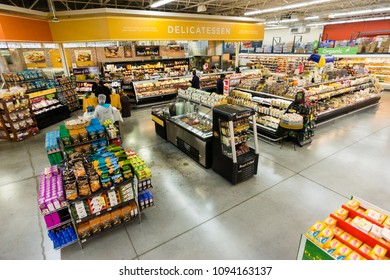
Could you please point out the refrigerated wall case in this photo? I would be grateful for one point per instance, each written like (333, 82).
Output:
(233, 159)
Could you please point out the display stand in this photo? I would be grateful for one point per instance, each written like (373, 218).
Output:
(17, 121)
(360, 233)
(233, 159)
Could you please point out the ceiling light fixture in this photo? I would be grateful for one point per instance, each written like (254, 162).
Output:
(347, 21)
(359, 12)
(277, 27)
(287, 7)
(160, 3)
(310, 18)
(282, 21)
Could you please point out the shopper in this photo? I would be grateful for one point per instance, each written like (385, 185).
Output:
(220, 84)
(102, 89)
(195, 80)
(103, 111)
(238, 70)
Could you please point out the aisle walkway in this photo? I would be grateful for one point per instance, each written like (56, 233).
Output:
(199, 215)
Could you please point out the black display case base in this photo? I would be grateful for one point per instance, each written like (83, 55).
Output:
(52, 117)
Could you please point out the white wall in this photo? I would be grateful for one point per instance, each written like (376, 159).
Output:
(287, 37)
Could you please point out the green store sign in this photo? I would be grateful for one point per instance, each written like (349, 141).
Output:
(339, 50)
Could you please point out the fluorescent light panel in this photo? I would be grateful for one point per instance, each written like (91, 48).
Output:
(282, 21)
(277, 27)
(160, 3)
(360, 12)
(313, 17)
(287, 7)
(347, 21)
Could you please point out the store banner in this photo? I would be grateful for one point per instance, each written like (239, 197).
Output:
(56, 58)
(251, 47)
(338, 50)
(147, 50)
(83, 58)
(120, 28)
(35, 59)
(88, 73)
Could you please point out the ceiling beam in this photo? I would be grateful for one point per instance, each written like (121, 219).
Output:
(23, 11)
(33, 4)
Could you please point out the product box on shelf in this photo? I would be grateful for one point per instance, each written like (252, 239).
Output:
(357, 230)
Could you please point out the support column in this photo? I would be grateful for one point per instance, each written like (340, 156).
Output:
(64, 60)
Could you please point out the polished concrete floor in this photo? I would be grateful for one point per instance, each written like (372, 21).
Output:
(198, 214)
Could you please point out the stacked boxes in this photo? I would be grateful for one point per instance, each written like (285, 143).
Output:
(51, 195)
(52, 148)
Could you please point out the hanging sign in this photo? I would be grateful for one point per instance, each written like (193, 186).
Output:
(338, 50)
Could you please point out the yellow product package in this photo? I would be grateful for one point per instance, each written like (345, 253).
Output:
(342, 252)
(315, 230)
(354, 256)
(330, 222)
(386, 223)
(331, 245)
(341, 213)
(365, 248)
(346, 236)
(325, 235)
(338, 231)
(378, 252)
(353, 204)
(356, 243)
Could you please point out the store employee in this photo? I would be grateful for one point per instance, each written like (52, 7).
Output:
(195, 80)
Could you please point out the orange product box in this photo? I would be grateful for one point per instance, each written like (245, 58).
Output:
(331, 245)
(338, 231)
(325, 235)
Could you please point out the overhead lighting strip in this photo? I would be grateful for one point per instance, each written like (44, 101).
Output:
(380, 10)
(287, 7)
(161, 3)
(347, 21)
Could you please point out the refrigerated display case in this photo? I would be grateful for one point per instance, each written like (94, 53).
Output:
(233, 158)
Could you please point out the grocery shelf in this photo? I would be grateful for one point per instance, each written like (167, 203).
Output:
(258, 93)
(18, 109)
(82, 143)
(154, 96)
(385, 85)
(56, 210)
(102, 190)
(61, 224)
(67, 244)
(107, 229)
(48, 106)
(104, 211)
(353, 88)
(347, 109)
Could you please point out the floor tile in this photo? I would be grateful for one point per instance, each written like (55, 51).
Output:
(267, 226)
(20, 233)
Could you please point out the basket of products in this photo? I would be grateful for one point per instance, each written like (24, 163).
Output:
(77, 124)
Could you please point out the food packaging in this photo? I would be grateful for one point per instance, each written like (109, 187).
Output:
(353, 204)
(341, 213)
(378, 252)
(342, 252)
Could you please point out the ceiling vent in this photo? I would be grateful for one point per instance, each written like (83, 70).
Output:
(300, 30)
